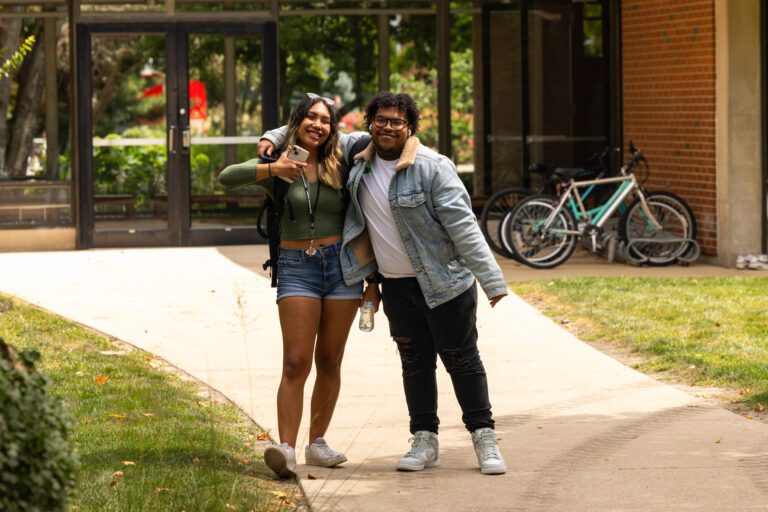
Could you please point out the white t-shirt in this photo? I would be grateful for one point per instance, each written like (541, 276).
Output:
(390, 253)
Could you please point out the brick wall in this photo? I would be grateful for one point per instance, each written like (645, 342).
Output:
(668, 88)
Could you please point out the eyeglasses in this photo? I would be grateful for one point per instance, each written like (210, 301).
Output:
(394, 122)
(327, 101)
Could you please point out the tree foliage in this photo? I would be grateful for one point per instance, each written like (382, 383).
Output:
(14, 60)
(37, 461)
(335, 56)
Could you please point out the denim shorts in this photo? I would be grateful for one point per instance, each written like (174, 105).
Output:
(318, 276)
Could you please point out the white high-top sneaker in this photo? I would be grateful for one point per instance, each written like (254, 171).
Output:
(488, 454)
(424, 452)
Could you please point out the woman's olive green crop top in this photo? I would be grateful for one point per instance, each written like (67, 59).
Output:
(295, 219)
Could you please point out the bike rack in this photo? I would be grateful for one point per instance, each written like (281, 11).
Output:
(690, 255)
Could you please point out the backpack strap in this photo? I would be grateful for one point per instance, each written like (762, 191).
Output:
(274, 209)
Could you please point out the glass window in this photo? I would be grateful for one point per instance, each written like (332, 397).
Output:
(35, 187)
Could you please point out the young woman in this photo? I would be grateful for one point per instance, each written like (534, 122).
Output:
(316, 306)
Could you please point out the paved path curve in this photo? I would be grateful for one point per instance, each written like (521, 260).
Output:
(580, 431)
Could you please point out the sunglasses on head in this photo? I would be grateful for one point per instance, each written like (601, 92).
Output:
(327, 101)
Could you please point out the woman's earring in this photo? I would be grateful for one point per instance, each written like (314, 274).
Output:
(370, 126)
(409, 133)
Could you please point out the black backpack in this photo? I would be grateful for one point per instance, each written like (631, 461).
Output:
(268, 224)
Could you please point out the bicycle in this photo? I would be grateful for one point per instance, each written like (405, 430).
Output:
(657, 228)
(502, 201)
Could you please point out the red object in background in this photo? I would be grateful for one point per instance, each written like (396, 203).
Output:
(198, 99)
(349, 120)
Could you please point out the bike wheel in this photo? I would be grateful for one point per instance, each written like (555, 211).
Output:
(523, 236)
(493, 212)
(658, 247)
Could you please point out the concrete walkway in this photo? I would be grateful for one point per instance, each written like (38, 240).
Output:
(580, 431)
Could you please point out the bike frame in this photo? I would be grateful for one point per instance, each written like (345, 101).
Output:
(599, 216)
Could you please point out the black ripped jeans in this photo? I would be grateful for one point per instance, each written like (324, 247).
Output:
(450, 331)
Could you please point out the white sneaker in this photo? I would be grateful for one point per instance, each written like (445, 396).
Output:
(281, 459)
(488, 454)
(758, 262)
(424, 452)
(320, 454)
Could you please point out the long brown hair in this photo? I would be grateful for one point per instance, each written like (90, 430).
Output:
(329, 153)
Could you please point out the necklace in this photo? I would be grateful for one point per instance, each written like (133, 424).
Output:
(311, 249)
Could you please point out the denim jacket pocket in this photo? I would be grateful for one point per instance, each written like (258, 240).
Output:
(411, 200)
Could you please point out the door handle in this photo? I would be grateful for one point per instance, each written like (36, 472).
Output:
(171, 139)
(185, 139)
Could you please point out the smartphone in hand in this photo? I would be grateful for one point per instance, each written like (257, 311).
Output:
(298, 154)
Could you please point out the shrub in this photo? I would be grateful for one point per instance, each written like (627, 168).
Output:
(37, 462)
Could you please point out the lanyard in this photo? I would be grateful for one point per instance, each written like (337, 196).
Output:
(311, 250)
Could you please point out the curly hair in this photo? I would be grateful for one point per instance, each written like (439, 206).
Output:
(329, 153)
(402, 102)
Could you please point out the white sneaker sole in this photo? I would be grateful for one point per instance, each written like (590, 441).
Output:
(326, 463)
(276, 460)
(415, 466)
(493, 471)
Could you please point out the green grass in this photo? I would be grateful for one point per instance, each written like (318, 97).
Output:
(187, 452)
(711, 331)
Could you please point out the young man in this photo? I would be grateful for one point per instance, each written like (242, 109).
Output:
(409, 206)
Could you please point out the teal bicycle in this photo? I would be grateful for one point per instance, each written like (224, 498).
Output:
(656, 228)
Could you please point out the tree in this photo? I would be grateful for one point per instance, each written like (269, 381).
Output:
(10, 32)
(25, 114)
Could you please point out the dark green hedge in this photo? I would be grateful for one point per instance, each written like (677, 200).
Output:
(37, 462)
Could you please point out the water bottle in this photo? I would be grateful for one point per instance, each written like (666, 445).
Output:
(366, 316)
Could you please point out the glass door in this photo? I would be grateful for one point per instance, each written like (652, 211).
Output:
(224, 97)
(129, 137)
(567, 82)
(165, 108)
(504, 112)
(546, 87)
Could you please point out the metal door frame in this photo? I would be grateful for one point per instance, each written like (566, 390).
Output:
(178, 232)
(611, 48)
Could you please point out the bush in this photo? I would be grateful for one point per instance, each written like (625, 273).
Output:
(37, 462)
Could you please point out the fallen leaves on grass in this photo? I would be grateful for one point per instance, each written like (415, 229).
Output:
(284, 498)
(117, 474)
(262, 436)
(128, 463)
(160, 490)
(86, 420)
(101, 379)
(117, 416)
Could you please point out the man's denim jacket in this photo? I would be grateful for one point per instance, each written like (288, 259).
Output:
(433, 215)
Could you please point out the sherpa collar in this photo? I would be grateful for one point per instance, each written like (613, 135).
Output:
(407, 157)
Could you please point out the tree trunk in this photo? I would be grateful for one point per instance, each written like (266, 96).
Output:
(107, 92)
(25, 114)
(10, 32)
